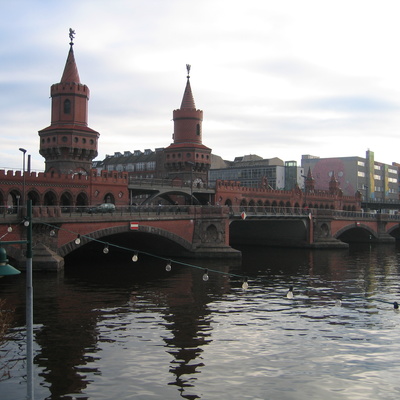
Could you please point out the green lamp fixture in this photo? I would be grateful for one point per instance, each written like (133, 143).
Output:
(5, 268)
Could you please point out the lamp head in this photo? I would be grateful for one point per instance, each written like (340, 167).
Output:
(5, 268)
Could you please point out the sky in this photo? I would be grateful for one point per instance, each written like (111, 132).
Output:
(273, 78)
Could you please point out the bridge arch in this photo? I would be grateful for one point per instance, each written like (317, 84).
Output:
(66, 199)
(82, 199)
(50, 198)
(228, 202)
(34, 195)
(360, 232)
(99, 234)
(2, 198)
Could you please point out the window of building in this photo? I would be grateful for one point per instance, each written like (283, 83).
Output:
(361, 163)
(67, 106)
(361, 173)
(377, 167)
(141, 166)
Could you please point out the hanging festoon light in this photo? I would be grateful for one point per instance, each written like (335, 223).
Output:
(106, 249)
(289, 293)
(78, 239)
(168, 267)
(9, 228)
(245, 284)
(205, 275)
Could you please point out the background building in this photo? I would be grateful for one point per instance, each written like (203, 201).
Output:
(255, 171)
(376, 181)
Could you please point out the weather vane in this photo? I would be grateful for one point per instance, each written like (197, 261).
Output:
(71, 36)
(188, 70)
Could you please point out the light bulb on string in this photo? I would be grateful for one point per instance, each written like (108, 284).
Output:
(205, 275)
(78, 239)
(245, 284)
(135, 257)
(52, 233)
(9, 229)
(106, 249)
(168, 267)
(26, 222)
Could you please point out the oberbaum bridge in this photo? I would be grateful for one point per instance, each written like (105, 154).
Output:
(179, 214)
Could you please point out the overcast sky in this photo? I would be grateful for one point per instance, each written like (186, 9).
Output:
(274, 78)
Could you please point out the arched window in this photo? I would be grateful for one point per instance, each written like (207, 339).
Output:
(67, 106)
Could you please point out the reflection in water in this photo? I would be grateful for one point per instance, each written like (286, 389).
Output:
(120, 331)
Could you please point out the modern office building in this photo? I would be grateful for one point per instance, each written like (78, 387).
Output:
(255, 171)
(376, 181)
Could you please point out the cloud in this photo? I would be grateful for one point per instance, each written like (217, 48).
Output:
(280, 79)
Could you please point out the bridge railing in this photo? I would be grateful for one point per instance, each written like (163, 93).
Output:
(267, 211)
(260, 211)
(124, 211)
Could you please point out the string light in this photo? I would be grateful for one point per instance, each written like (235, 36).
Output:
(205, 275)
(26, 222)
(78, 239)
(245, 284)
(289, 293)
(9, 229)
(52, 233)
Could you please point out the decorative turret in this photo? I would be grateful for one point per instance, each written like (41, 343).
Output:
(309, 183)
(68, 144)
(334, 185)
(187, 158)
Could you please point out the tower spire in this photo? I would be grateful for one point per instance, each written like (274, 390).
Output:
(70, 74)
(188, 100)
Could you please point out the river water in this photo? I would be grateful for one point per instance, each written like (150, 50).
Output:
(124, 330)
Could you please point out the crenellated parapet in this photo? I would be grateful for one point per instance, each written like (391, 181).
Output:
(233, 194)
(57, 189)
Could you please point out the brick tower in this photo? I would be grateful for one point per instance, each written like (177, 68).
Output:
(187, 158)
(68, 144)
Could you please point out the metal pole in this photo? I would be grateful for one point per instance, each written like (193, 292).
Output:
(23, 176)
(29, 307)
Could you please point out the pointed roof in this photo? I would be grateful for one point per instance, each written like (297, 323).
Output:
(70, 73)
(188, 100)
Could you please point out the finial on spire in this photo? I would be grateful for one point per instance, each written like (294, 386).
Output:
(188, 70)
(71, 36)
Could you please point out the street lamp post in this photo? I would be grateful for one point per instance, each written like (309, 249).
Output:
(305, 190)
(366, 197)
(23, 176)
(191, 181)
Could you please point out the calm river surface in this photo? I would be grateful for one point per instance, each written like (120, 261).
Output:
(134, 331)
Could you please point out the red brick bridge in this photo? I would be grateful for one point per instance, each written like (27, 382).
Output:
(193, 231)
